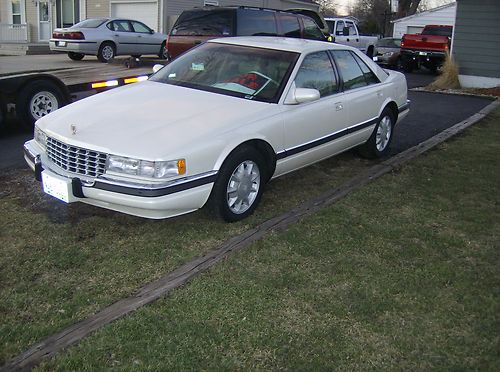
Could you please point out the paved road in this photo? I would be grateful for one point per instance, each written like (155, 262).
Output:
(430, 113)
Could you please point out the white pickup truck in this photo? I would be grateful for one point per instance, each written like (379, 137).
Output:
(345, 31)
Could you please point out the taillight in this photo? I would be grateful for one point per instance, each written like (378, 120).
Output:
(68, 35)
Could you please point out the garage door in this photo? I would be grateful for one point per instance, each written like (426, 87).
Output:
(144, 11)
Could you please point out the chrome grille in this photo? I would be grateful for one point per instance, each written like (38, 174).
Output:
(76, 159)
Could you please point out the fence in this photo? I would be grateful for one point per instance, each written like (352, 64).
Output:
(14, 33)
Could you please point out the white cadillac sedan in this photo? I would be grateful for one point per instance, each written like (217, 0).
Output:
(215, 125)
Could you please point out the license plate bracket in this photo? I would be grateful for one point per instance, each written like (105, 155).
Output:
(58, 187)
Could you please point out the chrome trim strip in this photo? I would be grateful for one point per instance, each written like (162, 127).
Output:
(325, 139)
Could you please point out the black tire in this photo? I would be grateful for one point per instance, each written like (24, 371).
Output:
(107, 51)
(76, 56)
(3, 115)
(242, 158)
(37, 99)
(163, 53)
(407, 66)
(369, 52)
(376, 147)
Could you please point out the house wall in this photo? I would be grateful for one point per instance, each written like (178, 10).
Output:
(441, 16)
(97, 8)
(476, 42)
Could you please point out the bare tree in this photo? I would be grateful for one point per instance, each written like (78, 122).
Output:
(327, 7)
(407, 8)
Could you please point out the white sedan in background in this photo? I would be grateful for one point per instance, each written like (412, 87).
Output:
(107, 38)
(215, 125)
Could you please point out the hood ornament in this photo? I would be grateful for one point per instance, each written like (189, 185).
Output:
(73, 129)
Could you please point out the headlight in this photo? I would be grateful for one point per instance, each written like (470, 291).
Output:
(145, 168)
(40, 137)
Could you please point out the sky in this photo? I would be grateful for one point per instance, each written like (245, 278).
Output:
(343, 6)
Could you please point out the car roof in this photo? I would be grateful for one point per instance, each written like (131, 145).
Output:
(281, 43)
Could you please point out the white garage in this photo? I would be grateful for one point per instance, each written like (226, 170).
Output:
(144, 11)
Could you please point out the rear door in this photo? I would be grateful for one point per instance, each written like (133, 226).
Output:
(363, 94)
(124, 37)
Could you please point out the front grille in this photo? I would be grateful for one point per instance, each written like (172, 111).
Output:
(76, 159)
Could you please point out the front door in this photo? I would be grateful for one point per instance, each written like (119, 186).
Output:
(44, 20)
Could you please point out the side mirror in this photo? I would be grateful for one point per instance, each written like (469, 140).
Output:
(157, 68)
(301, 95)
(151, 31)
(345, 31)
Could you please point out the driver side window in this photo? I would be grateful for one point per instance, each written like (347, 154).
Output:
(316, 72)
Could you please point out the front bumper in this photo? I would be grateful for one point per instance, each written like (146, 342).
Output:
(156, 201)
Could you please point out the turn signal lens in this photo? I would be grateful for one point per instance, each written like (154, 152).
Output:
(181, 166)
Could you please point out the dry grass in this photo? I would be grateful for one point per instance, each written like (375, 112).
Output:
(449, 76)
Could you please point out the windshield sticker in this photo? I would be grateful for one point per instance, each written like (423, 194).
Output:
(198, 66)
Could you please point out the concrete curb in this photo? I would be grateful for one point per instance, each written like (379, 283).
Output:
(161, 287)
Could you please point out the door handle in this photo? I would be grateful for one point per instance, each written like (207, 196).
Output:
(117, 35)
(347, 39)
(338, 106)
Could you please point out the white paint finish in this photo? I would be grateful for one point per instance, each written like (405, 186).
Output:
(469, 81)
(443, 15)
(156, 121)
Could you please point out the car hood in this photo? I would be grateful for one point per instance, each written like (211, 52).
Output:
(150, 120)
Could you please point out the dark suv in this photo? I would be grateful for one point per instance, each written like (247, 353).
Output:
(200, 24)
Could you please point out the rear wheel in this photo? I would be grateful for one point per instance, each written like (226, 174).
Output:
(37, 99)
(407, 65)
(239, 186)
(106, 52)
(76, 56)
(380, 140)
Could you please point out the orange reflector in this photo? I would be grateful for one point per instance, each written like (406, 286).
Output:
(181, 166)
(104, 84)
(135, 79)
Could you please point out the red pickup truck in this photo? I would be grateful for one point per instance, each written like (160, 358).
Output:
(426, 49)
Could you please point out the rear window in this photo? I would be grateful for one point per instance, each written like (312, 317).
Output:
(290, 26)
(90, 23)
(217, 22)
(254, 22)
(439, 31)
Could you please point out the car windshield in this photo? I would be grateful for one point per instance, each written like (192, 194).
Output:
(90, 23)
(240, 71)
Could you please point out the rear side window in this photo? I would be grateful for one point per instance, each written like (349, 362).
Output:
(254, 22)
(290, 26)
(349, 69)
(370, 77)
(120, 26)
(217, 22)
(316, 72)
(311, 30)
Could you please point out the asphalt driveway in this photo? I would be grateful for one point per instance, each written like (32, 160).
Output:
(430, 113)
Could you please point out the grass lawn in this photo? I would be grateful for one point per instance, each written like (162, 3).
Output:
(401, 274)
(61, 263)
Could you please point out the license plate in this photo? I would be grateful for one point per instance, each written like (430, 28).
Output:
(61, 43)
(375, 59)
(57, 187)
(422, 53)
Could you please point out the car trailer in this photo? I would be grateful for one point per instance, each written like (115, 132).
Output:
(36, 94)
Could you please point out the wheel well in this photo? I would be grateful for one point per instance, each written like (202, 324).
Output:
(266, 151)
(369, 51)
(109, 42)
(47, 78)
(394, 108)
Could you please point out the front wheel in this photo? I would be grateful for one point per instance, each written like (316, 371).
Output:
(380, 140)
(37, 99)
(239, 186)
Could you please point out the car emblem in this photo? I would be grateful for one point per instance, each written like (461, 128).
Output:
(73, 129)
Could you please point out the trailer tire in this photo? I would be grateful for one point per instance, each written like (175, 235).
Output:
(37, 99)
(75, 56)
